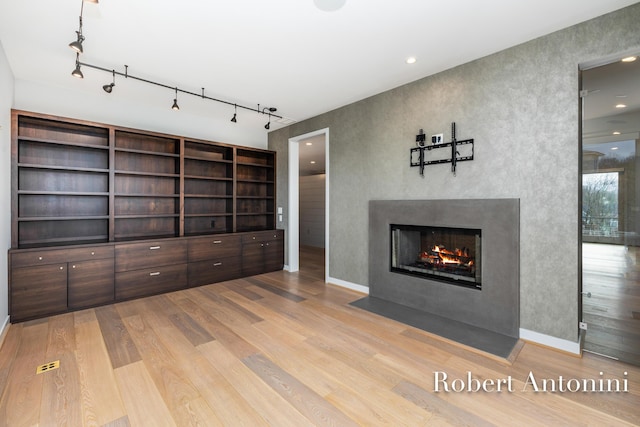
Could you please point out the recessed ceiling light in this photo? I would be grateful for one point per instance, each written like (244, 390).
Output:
(614, 148)
(621, 96)
(313, 162)
(629, 59)
(309, 143)
(621, 106)
(616, 133)
(411, 60)
(329, 5)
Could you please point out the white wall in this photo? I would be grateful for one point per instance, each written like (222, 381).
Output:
(312, 203)
(6, 101)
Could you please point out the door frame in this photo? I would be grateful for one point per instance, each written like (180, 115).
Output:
(293, 240)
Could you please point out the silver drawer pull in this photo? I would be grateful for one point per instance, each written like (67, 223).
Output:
(157, 273)
(93, 253)
(217, 264)
(153, 248)
(73, 266)
(39, 258)
(217, 242)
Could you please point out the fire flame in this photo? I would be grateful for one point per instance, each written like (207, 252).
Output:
(443, 256)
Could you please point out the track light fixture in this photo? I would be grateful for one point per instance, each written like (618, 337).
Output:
(175, 106)
(76, 45)
(77, 72)
(108, 88)
(235, 112)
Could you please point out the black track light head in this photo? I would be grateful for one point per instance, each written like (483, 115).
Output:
(77, 72)
(235, 113)
(267, 126)
(175, 106)
(77, 44)
(109, 88)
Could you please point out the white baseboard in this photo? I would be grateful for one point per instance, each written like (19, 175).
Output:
(349, 285)
(3, 330)
(549, 341)
(286, 267)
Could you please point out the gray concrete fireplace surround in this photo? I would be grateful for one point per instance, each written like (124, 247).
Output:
(494, 309)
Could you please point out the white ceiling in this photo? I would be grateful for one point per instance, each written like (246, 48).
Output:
(283, 53)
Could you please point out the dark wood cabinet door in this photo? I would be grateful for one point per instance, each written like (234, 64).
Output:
(38, 291)
(273, 255)
(252, 258)
(91, 283)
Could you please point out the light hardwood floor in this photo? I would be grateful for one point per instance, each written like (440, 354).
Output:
(611, 273)
(279, 349)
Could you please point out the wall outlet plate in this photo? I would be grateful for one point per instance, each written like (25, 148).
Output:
(437, 138)
(583, 325)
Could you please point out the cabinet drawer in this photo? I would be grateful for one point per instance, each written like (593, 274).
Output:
(212, 247)
(38, 291)
(262, 236)
(150, 281)
(54, 256)
(90, 283)
(205, 272)
(135, 256)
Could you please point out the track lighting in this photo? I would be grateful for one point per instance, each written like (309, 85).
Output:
(235, 112)
(76, 45)
(108, 88)
(175, 106)
(77, 72)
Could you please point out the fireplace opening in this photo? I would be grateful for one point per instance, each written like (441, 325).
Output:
(446, 254)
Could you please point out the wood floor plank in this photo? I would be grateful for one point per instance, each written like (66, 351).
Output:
(21, 399)
(144, 404)
(448, 413)
(234, 310)
(305, 400)
(171, 383)
(99, 395)
(195, 333)
(272, 408)
(217, 329)
(122, 350)
(61, 387)
(9, 349)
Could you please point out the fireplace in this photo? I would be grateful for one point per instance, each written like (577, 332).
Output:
(448, 254)
(457, 259)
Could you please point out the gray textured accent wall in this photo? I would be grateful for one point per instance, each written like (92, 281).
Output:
(521, 106)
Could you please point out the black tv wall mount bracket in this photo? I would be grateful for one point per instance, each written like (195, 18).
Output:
(419, 156)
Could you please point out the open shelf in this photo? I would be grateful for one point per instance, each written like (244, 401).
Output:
(76, 181)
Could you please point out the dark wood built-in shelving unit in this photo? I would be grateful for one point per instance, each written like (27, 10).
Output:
(83, 191)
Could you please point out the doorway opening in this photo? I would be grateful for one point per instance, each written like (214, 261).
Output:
(610, 213)
(308, 243)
